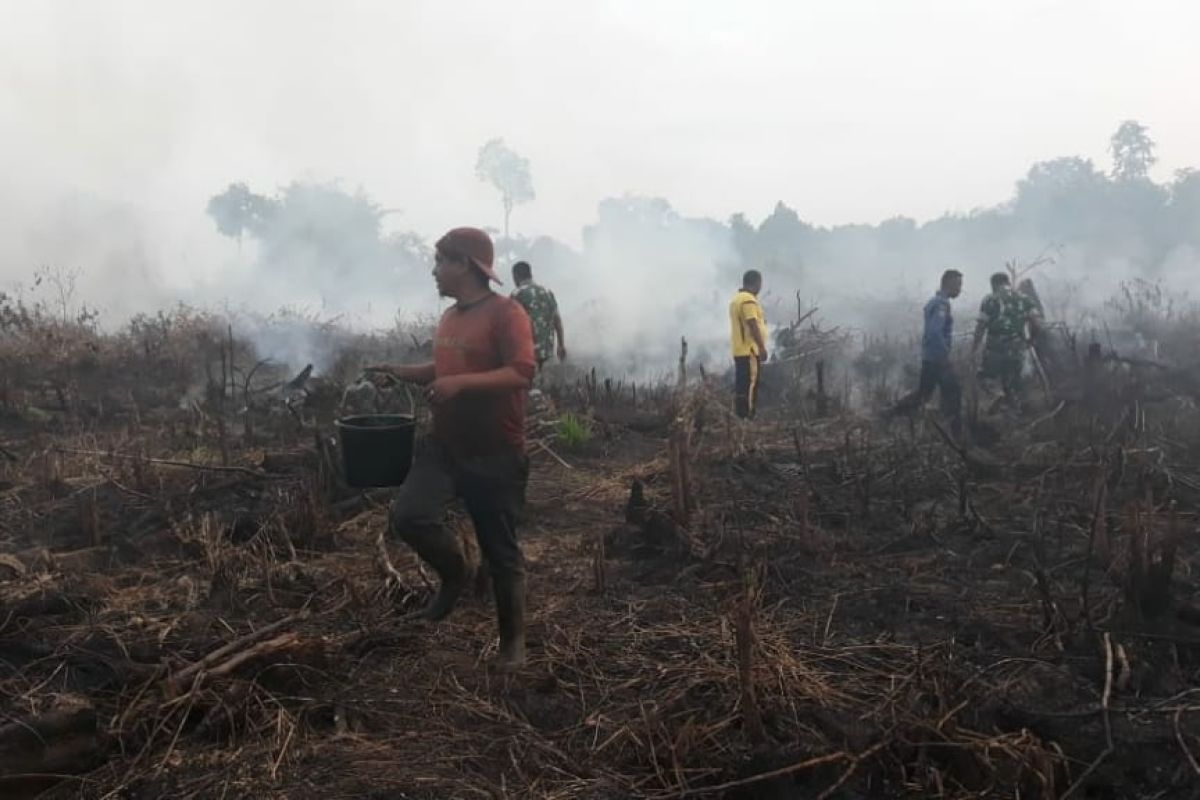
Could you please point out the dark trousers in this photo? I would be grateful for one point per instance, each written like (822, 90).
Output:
(1005, 366)
(491, 487)
(936, 375)
(745, 386)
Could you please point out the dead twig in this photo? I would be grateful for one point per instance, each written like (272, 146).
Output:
(1099, 511)
(782, 772)
(850, 770)
(1047, 417)
(281, 642)
(1104, 703)
(546, 448)
(222, 653)
(393, 581)
(949, 440)
(1191, 759)
(165, 462)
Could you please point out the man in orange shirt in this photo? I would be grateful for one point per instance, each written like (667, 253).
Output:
(483, 364)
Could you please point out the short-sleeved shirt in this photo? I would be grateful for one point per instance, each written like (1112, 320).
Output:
(489, 334)
(743, 309)
(1004, 314)
(541, 306)
(938, 331)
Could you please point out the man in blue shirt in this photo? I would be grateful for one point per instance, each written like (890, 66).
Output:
(937, 372)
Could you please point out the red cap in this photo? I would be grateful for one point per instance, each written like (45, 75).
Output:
(472, 244)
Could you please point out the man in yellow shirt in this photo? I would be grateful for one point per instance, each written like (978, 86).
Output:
(748, 336)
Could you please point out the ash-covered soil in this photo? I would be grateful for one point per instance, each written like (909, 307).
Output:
(833, 608)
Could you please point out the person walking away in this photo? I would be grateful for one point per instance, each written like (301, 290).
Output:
(542, 307)
(1004, 316)
(748, 337)
(937, 372)
(483, 365)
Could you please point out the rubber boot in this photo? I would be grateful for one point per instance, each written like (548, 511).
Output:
(440, 549)
(510, 613)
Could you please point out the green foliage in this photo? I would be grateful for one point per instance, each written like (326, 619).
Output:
(573, 430)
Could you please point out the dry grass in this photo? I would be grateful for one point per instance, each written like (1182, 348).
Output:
(847, 610)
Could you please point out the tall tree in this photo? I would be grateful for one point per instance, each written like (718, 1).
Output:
(1132, 151)
(509, 172)
(237, 211)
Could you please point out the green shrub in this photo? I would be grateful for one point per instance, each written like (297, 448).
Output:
(573, 430)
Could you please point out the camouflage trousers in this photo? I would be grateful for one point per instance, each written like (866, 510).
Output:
(1004, 365)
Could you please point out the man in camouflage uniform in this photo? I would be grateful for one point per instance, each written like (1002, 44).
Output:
(1003, 317)
(542, 308)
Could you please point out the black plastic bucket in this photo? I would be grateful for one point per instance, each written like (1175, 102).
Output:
(377, 449)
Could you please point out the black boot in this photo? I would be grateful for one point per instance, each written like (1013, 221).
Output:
(510, 613)
(441, 550)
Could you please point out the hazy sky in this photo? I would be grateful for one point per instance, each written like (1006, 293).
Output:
(122, 118)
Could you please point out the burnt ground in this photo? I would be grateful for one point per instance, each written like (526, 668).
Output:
(842, 609)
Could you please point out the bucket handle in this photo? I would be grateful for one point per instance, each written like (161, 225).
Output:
(412, 404)
(405, 385)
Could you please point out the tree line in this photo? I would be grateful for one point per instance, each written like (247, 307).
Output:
(1117, 218)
